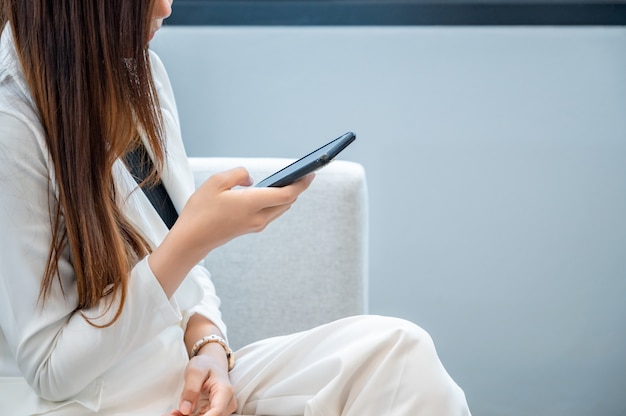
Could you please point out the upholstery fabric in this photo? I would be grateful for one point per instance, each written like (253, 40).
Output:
(307, 268)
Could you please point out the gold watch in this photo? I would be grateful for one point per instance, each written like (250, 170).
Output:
(217, 339)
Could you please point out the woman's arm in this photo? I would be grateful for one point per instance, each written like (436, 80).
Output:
(215, 214)
(57, 351)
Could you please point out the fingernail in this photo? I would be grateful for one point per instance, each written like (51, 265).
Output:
(185, 407)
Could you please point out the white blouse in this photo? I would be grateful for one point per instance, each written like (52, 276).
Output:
(52, 361)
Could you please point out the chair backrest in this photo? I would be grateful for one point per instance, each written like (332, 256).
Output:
(307, 268)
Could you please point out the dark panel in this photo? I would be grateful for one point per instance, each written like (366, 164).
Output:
(382, 12)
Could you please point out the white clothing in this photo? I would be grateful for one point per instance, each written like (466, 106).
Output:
(53, 362)
(50, 357)
(358, 366)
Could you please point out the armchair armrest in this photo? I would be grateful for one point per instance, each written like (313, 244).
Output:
(307, 268)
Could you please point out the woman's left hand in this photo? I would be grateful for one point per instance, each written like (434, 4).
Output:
(207, 390)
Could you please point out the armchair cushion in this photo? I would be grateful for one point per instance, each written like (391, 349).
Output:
(306, 268)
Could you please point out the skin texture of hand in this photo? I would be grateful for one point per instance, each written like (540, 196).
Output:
(229, 212)
(222, 208)
(207, 390)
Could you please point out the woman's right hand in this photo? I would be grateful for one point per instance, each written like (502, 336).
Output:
(222, 208)
(216, 213)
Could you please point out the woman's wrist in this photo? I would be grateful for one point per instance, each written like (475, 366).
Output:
(203, 336)
(205, 343)
(213, 356)
(172, 260)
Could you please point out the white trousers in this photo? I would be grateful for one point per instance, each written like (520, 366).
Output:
(359, 366)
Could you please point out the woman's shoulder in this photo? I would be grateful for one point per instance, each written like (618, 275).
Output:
(22, 135)
(157, 64)
(20, 110)
(18, 115)
(21, 143)
(159, 74)
(21, 132)
(163, 87)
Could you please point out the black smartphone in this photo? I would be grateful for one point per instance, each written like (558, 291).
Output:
(309, 163)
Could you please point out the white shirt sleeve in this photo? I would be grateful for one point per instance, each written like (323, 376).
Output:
(56, 349)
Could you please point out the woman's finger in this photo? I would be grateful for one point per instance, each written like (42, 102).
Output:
(222, 401)
(286, 195)
(194, 380)
(231, 178)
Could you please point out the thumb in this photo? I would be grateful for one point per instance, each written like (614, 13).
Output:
(233, 177)
(191, 390)
(185, 407)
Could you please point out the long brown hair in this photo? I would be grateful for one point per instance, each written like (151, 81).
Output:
(87, 65)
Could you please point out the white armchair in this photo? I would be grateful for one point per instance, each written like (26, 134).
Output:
(307, 268)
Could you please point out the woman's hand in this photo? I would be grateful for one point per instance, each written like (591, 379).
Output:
(207, 390)
(217, 212)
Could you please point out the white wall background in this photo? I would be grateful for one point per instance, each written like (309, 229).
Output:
(496, 160)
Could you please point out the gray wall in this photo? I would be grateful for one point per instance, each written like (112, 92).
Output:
(497, 176)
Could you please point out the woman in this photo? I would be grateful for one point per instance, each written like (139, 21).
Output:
(104, 305)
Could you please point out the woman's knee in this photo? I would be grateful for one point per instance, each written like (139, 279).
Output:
(408, 355)
(399, 330)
